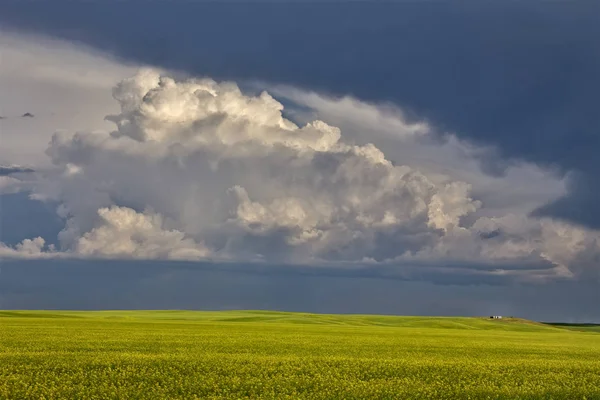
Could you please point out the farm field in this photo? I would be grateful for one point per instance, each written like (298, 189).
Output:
(278, 355)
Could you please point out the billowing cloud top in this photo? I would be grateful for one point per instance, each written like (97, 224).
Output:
(197, 169)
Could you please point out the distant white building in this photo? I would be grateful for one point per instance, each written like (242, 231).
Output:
(496, 317)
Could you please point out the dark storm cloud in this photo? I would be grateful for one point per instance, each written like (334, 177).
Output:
(522, 76)
(74, 284)
(581, 202)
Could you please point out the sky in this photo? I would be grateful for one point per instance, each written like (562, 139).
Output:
(352, 157)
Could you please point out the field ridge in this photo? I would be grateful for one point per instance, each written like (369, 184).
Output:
(286, 317)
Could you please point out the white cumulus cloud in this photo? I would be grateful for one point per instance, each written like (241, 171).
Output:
(197, 169)
(123, 232)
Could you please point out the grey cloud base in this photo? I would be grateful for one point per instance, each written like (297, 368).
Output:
(98, 285)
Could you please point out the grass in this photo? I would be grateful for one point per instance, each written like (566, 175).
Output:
(577, 327)
(277, 355)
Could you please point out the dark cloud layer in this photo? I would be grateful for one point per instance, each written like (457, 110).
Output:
(6, 170)
(89, 285)
(522, 76)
